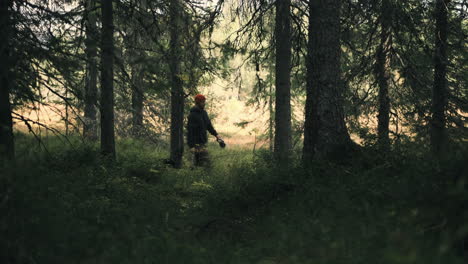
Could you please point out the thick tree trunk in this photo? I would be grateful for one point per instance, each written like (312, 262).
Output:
(90, 120)
(137, 78)
(382, 74)
(325, 132)
(283, 145)
(177, 92)
(107, 78)
(7, 149)
(439, 91)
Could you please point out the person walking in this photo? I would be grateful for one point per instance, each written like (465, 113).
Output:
(198, 124)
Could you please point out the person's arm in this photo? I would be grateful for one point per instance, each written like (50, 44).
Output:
(210, 127)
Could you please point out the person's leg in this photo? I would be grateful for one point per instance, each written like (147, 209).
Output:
(205, 157)
(196, 156)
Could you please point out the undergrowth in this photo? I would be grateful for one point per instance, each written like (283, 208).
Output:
(63, 206)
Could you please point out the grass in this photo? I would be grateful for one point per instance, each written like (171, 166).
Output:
(65, 207)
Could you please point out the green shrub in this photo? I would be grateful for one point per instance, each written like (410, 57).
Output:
(63, 206)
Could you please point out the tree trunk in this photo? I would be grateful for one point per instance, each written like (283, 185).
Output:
(90, 131)
(283, 145)
(271, 122)
(137, 100)
(382, 74)
(177, 92)
(7, 148)
(439, 91)
(137, 78)
(325, 132)
(107, 78)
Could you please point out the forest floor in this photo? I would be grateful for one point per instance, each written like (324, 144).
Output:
(64, 206)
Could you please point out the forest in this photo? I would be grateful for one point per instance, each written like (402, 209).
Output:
(234, 131)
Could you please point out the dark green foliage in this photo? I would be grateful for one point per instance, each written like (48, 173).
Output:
(411, 58)
(64, 207)
(62, 203)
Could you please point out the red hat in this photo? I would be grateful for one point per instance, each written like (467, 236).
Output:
(200, 98)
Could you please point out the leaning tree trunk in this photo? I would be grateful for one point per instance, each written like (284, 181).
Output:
(107, 77)
(382, 74)
(439, 90)
(137, 76)
(282, 148)
(7, 149)
(90, 98)
(177, 92)
(325, 132)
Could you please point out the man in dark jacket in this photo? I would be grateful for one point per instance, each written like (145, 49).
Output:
(197, 125)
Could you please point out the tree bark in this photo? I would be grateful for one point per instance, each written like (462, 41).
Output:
(177, 92)
(90, 129)
(439, 136)
(325, 132)
(271, 122)
(7, 148)
(382, 74)
(107, 78)
(282, 149)
(137, 78)
(137, 100)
